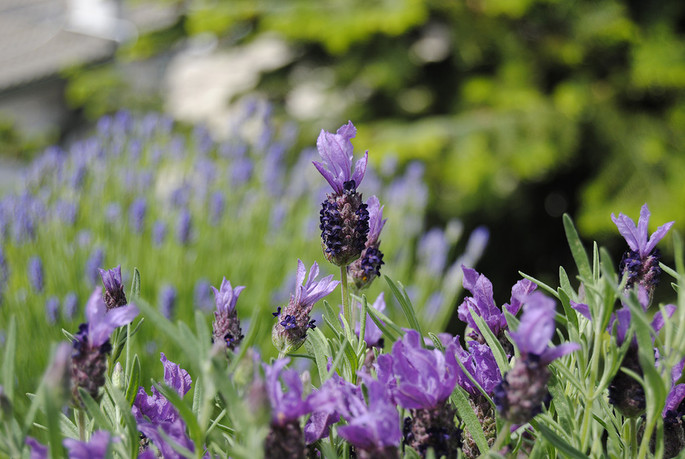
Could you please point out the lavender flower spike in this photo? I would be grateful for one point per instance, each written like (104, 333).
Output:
(522, 392)
(641, 263)
(368, 266)
(114, 295)
(91, 343)
(290, 331)
(344, 218)
(227, 325)
(337, 152)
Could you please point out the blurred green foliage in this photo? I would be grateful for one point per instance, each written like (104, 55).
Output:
(493, 94)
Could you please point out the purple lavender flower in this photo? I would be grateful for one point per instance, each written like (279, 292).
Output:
(114, 295)
(96, 259)
(344, 217)
(290, 330)
(373, 427)
(70, 305)
(167, 300)
(91, 343)
(433, 249)
(368, 266)
(483, 304)
(481, 365)
(422, 381)
(158, 232)
(155, 412)
(96, 448)
(183, 226)
(113, 212)
(217, 204)
(38, 450)
(523, 390)
(641, 263)
(36, 274)
(52, 310)
(66, 211)
(136, 215)
(285, 439)
(202, 295)
(226, 326)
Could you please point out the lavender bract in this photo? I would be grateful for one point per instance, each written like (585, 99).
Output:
(368, 266)
(114, 295)
(294, 320)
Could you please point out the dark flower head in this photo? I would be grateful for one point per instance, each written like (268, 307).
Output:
(368, 266)
(114, 295)
(294, 320)
(425, 378)
(226, 327)
(337, 152)
(95, 448)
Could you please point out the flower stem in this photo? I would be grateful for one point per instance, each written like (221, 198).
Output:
(81, 425)
(502, 436)
(347, 311)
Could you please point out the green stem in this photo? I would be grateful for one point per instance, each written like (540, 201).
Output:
(632, 432)
(81, 425)
(347, 311)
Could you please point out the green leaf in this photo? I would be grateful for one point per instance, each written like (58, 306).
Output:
(387, 326)
(559, 443)
(577, 249)
(133, 381)
(461, 402)
(94, 410)
(436, 341)
(8, 360)
(405, 303)
(134, 294)
(570, 313)
(540, 284)
(125, 412)
(317, 345)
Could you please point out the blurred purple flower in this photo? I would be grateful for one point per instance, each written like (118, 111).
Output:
(96, 448)
(373, 335)
(167, 300)
(432, 250)
(158, 232)
(136, 214)
(36, 274)
(70, 305)
(38, 450)
(52, 310)
(184, 226)
(96, 259)
(217, 204)
(113, 212)
(202, 295)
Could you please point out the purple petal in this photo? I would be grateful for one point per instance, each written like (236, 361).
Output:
(38, 450)
(360, 169)
(658, 319)
(96, 448)
(674, 398)
(582, 308)
(520, 290)
(626, 226)
(376, 221)
(537, 324)
(330, 178)
(554, 353)
(101, 323)
(175, 376)
(656, 237)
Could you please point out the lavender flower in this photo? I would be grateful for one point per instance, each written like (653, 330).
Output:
(344, 218)
(523, 390)
(183, 226)
(202, 295)
(167, 300)
(38, 450)
(290, 330)
(113, 212)
(158, 232)
(672, 414)
(96, 259)
(226, 325)
(368, 266)
(483, 304)
(70, 305)
(641, 263)
(285, 439)
(481, 365)
(217, 204)
(422, 381)
(136, 215)
(52, 310)
(372, 427)
(36, 274)
(91, 343)
(155, 412)
(114, 295)
(96, 448)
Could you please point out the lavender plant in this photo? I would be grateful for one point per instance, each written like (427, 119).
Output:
(376, 380)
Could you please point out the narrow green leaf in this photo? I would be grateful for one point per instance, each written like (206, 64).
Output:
(94, 410)
(577, 249)
(134, 294)
(133, 381)
(129, 421)
(569, 312)
(596, 271)
(405, 304)
(317, 345)
(68, 336)
(8, 360)
(67, 426)
(471, 422)
(540, 284)
(559, 443)
(197, 397)
(565, 283)
(678, 251)
(338, 358)
(436, 341)
(185, 411)
(387, 326)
